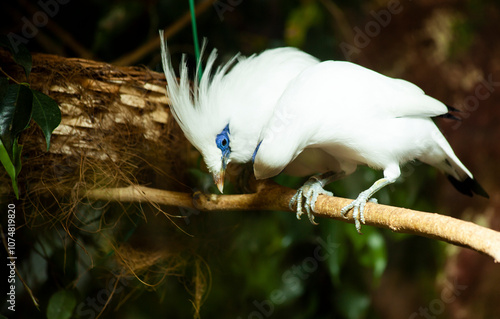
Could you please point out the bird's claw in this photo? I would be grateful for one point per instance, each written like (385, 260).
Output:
(310, 191)
(358, 206)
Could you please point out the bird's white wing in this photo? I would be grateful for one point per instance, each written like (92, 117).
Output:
(355, 89)
(410, 100)
(336, 103)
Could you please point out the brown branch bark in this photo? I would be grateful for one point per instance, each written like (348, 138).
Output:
(273, 197)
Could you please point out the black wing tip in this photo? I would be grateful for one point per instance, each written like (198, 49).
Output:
(452, 109)
(449, 115)
(469, 186)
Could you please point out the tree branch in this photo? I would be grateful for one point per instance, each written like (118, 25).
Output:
(273, 197)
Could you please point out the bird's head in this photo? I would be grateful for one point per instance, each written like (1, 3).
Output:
(223, 113)
(200, 112)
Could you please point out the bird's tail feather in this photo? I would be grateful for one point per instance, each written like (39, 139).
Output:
(469, 186)
(461, 178)
(457, 173)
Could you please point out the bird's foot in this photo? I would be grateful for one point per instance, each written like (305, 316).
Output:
(310, 191)
(358, 206)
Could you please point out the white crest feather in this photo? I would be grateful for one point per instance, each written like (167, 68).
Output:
(240, 94)
(191, 106)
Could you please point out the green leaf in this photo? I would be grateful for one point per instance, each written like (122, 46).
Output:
(15, 113)
(20, 53)
(61, 305)
(10, 167)
(16, 156)
(46, 114)
(7, 110)
(24, 106)
(7, 162)
(23, 58)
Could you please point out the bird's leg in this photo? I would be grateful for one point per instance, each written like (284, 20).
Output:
(310, 191)
(359, 203)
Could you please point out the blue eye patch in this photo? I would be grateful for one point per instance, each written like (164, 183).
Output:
(222, 142)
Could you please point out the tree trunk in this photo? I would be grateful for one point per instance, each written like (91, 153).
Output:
(116, 129)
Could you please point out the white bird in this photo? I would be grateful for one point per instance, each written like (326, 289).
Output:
(224, 113)
(346, 115)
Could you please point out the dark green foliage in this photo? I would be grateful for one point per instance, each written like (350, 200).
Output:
(61, 305)
(46, 114)
(18, 105)
(15, 113)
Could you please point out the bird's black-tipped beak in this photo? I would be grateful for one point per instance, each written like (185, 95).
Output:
(219, 176)
(219, 179)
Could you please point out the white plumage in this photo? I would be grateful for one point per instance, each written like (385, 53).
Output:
(223, 114)
(343, 115)
(302, 117)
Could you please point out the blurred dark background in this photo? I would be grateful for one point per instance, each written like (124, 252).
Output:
(262, 264)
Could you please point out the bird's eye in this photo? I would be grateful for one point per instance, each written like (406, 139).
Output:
(222, 141)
